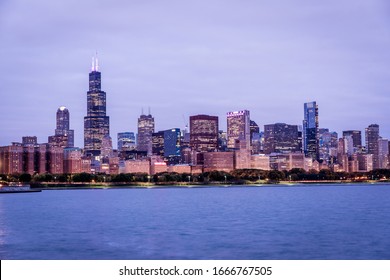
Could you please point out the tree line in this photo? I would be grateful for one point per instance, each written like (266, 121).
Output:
(236, 176)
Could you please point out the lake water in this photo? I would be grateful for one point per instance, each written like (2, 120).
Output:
(273, 222)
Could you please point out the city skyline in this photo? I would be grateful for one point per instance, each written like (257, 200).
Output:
(197, 58)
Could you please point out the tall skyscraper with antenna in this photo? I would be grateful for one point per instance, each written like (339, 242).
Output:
(96, 123)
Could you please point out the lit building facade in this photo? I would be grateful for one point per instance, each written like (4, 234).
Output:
(356, 138)
(167, 144)
(126, 141)
(158, 143)
(72, 160)
(96, 123)
(372, 147)
(172, 142)
(281, 138)
(310, 130)
(204, 133)
(221, 161)
(63, 125)
(11, 159)
(328, 142)
(238, 127)
(145, 131)
(383, 153)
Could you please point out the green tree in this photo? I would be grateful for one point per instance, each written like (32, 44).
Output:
(82, 177)
(276, 175)
(25, 177)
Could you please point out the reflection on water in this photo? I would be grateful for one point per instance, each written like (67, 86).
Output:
(310, 222)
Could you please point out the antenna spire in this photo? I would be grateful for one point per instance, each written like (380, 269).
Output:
(96, 62)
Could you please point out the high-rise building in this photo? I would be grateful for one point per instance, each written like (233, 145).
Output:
(310, 130)
(238, 128)
(204, 133)
(254, 128)
(96, 123)
(281, 138)
(126, 141)
(372, 147)
(356, 139)
(62, 125)
(172, 142)
(222, 141)
(63, 136)
(106, 150)
(158, 143)
(348, 145)
(383, 153)
(328, 142)
(145, 131)
(166, 143)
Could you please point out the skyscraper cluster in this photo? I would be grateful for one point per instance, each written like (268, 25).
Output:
(204, 147)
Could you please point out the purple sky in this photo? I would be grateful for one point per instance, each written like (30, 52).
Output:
(194, 57)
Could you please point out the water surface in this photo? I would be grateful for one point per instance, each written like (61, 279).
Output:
(277, 222)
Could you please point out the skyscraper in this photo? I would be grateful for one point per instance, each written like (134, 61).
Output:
(172, 142)
(383, 153)
(372, 146)
(254, 128)
(96, 123)
(204, 133)
(238, 128)
(126, 141)
(62, 125)
(310, 130)
(145, 131)
(158, 143)
(281, 138)
(356, 138)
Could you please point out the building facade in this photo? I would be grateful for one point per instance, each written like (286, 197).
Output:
(238, 127)
(356, 138)
(204, 133)
(372, 144)
(310, 130)
(96, 123)
(281, 138)
(145, 131)
(63, 125)
(126, 141)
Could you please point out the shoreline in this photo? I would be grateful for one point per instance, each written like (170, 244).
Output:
(146, 185)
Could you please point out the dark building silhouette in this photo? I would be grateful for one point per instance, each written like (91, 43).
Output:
(96, 123)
